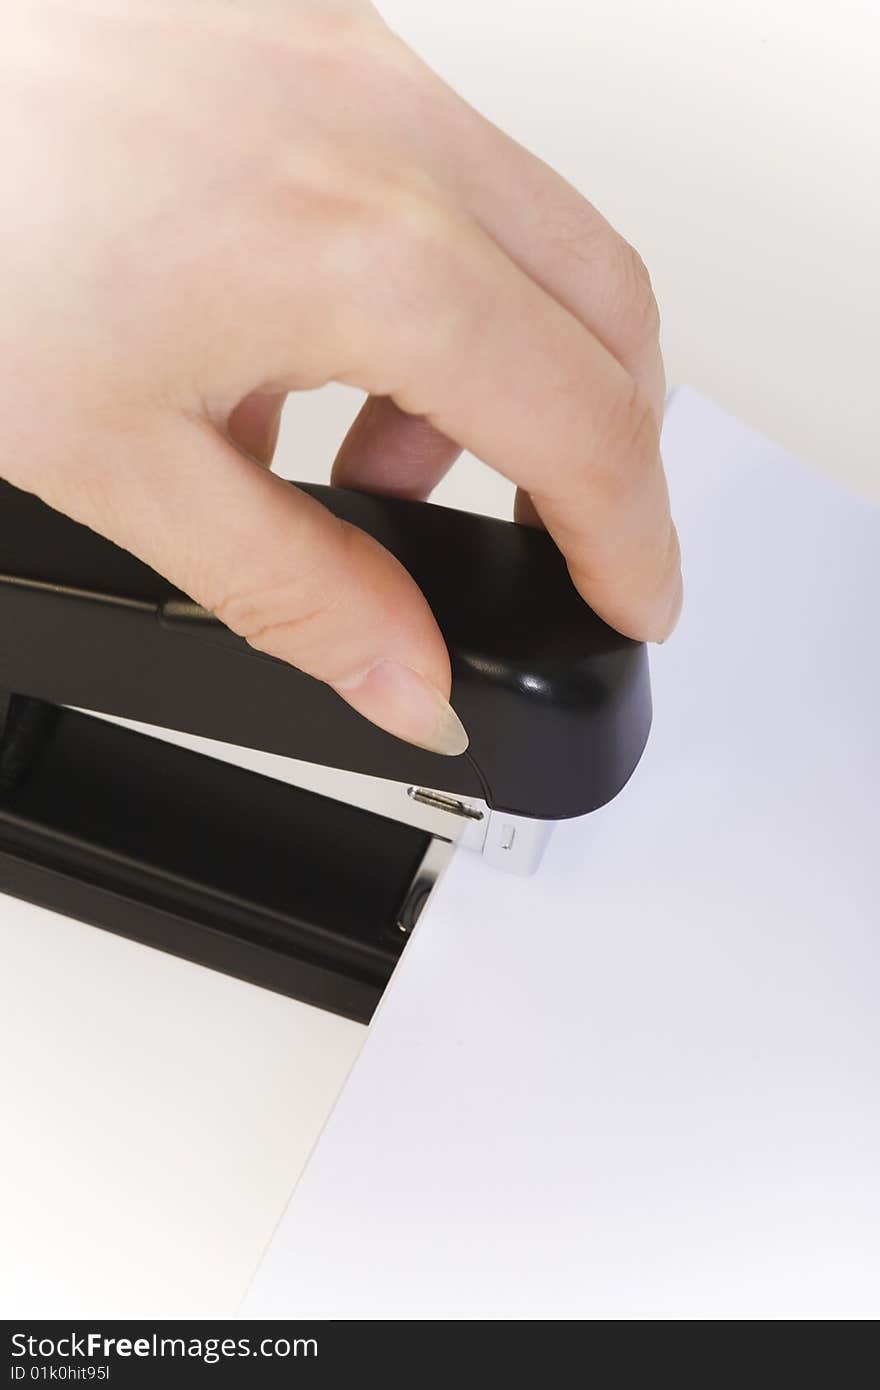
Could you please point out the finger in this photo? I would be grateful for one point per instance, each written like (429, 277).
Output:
(561, 241)
(390, 452)
(525, 512)
(494, 362)
(253, 426)
(278, 569)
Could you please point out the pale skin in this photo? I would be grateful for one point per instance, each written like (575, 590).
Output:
(209, 204)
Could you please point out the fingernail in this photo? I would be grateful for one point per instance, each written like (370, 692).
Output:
(403, 703)
(675, 607)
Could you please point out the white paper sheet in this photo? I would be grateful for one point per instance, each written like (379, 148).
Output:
(645, 1083)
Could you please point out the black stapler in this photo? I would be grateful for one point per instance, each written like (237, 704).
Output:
(280, 886)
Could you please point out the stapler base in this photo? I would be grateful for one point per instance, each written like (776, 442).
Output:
(278, 886)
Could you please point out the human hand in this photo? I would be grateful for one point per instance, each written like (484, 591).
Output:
(211, 205)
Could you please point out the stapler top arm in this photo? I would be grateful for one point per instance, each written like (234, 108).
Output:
(557, 704)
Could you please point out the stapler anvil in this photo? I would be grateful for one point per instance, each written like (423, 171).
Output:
(279, 886)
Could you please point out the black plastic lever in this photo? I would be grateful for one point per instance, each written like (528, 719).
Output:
(557, 704)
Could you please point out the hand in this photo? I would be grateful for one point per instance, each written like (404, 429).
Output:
(209, 205)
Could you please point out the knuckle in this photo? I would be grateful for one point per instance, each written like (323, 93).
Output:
(412, 273)
(611, 260)
(300, 639)
(334, 39)
(400, 231)
(638, 306)
(374, 232)
(280, 618)
(577, 227)
(632, 438)
(298, 617)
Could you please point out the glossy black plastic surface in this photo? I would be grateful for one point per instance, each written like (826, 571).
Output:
(238, 872)
(557, 704)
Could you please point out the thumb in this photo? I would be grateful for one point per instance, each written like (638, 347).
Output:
(280, 571)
